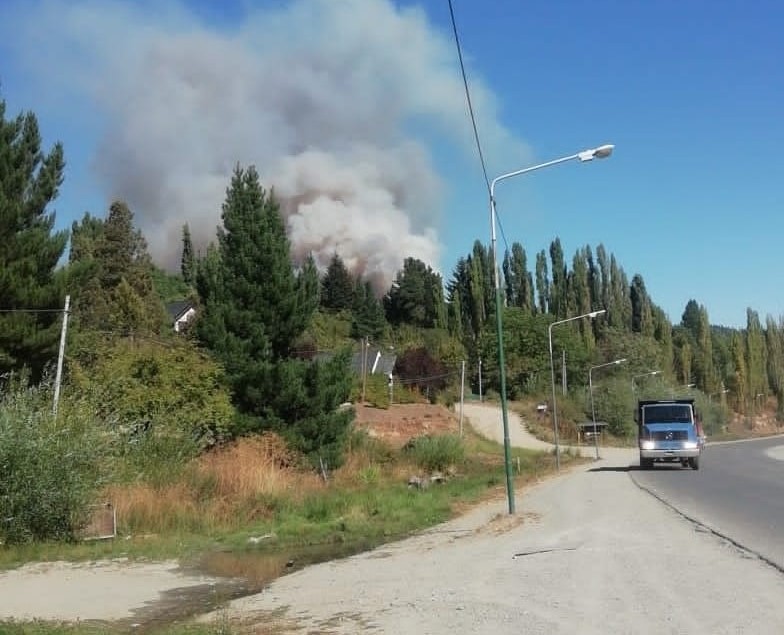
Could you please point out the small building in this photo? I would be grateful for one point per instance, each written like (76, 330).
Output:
(181, 312)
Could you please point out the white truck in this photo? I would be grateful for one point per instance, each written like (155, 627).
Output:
(669, 431)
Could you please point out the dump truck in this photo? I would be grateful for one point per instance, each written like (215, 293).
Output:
(669, 431)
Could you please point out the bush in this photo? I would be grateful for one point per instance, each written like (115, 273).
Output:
(439, 452)
(49, 467)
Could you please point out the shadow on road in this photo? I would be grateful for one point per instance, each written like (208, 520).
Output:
(637, 468)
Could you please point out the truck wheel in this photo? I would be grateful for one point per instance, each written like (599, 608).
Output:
(694, 462)
(646, 464)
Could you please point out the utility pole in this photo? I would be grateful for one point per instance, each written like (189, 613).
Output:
(60, 354)
(563, 372)
(480, 380)
(462, 394)
(365, 345)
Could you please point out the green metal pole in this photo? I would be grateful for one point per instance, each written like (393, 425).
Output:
(501, 364)
(504, 413)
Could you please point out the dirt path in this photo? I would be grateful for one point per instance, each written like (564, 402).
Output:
(487, 420)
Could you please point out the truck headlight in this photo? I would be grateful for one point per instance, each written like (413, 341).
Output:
(648, 445)
(690, 445)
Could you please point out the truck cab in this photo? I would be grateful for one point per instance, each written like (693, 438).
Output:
(668, 431)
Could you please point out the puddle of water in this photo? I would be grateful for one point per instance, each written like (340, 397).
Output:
(237, 574)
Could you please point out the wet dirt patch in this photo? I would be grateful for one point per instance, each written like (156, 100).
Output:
(235, 574)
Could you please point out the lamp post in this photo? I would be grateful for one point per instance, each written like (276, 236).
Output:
(648, 374)
(590, 388)
(591, 315)
(601, 152)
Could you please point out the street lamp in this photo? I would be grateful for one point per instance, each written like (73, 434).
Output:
(591, 315)
(590, 388)
(648, 374)
(601, 152)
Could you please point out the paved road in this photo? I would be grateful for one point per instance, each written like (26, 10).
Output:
(738, 492)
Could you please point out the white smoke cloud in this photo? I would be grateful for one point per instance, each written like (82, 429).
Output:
(323, 96)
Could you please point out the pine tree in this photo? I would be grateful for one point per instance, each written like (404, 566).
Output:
(254, 309)
(367, 315)
(308, 286)
(29, 249)
(116, 290)
(416, 297)
(337, 287)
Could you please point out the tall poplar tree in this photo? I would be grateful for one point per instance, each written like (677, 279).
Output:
(519, 291)
(558, 297)
(188, 259)
(29, 248)
(642, 313)
(756, 356)
(774, 337)
(542, 283)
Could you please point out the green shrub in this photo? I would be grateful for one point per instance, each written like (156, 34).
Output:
(49, 467)
(438, 452)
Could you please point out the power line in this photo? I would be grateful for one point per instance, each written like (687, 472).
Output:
(32, 311)
(473, 118)
(468, 97)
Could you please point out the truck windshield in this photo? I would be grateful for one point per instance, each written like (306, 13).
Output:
(666, 413)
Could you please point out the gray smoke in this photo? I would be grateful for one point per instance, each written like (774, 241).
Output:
(330, 99)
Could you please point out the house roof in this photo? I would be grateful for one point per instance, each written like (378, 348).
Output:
(379, 361)
(179, 308)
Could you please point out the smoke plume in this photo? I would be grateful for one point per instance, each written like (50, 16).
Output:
(336, 102)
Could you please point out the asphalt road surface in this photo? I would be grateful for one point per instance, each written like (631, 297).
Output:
(738, 492)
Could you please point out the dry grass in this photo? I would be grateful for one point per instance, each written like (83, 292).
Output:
(252, 467)
(222, 489)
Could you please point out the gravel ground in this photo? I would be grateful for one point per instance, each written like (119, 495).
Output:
(587, 552)
(105, 590)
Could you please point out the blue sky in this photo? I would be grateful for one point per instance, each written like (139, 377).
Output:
(690, 92)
